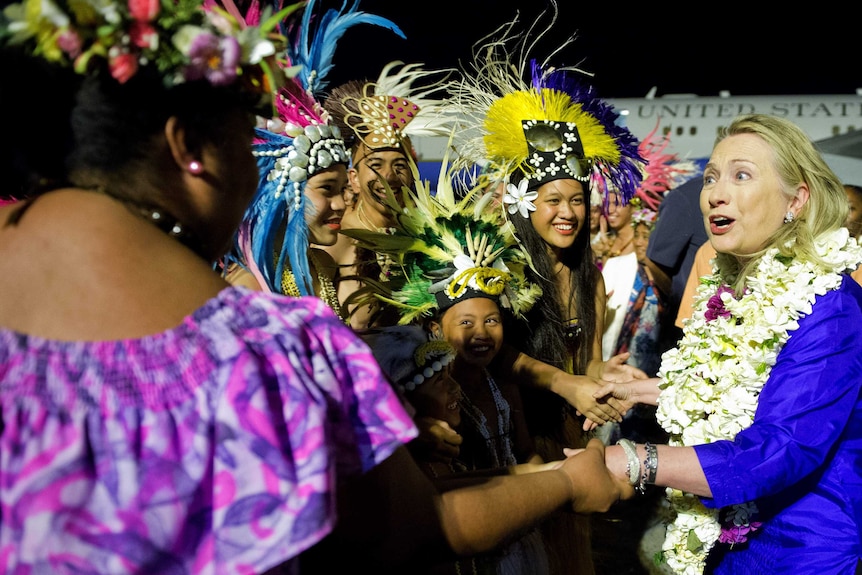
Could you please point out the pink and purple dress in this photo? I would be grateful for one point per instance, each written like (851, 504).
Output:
(213, 447)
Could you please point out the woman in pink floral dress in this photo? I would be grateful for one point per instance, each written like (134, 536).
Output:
(154, 419)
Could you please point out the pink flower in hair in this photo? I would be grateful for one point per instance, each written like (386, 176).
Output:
(144, 10)
(213, 58)
(123, 66)
(70, 43)
(144, 35)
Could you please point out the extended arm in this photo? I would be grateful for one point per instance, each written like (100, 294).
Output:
(392, 515)
(679, 467)
(578, 390)
(803, 410)
(630, 393)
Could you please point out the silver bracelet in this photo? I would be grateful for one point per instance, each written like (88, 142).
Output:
(633, 464)
(650, 463)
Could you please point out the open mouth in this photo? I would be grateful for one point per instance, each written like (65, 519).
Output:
(720, 223)
(480, 349)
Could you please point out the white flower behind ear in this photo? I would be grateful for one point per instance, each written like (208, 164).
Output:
(519, 199)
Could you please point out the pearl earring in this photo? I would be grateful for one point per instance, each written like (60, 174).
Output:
(788, 217)
(195, 167)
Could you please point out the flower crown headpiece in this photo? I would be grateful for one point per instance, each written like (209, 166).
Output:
(546, 128)
(644, 216)
(292, 147)
(181, 39)
(405, 101)
(449, 251)
(409, 355)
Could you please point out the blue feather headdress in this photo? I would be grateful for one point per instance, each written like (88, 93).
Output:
(625, 173)
(291, 148)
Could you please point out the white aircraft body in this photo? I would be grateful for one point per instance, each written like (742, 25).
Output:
(691, 123)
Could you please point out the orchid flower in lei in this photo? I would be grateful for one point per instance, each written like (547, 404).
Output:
(712, 380)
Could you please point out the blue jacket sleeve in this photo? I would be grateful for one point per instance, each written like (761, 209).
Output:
(803, 408)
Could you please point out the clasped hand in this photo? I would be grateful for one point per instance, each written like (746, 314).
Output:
(586, 394)
(437, 441)
(596, 489)
(628, 394)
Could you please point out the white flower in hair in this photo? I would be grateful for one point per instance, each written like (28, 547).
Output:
(519, 199)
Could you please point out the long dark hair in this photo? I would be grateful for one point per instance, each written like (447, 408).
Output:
(543, 334)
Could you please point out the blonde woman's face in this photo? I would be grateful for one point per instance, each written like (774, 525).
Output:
(742, 200)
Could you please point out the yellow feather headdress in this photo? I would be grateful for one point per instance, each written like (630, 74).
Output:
(546, 126)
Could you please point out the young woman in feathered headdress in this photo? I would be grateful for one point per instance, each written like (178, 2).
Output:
(547, 135)
(302, 160)
(378, 119)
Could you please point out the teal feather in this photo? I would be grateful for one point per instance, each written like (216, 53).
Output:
(316, 55)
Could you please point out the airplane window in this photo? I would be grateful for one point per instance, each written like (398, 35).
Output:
(680, 131)
(692, 131)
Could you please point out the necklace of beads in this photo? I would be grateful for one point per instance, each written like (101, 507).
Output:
(500, 451)
(612, 253)
(327, 288)
(160, 218)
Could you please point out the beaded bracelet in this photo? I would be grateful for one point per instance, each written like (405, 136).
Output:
(633, 465)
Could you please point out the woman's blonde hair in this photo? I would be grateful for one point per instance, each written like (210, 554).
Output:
(796, 160)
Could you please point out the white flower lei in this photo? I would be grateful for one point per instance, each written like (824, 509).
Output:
(712, 380)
